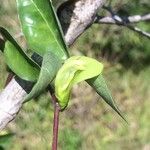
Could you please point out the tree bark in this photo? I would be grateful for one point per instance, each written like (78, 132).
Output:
(75, 17)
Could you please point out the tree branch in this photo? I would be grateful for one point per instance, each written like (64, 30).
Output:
(127, 20)
(138, 30)
(75, 18)
(11, 100)
(124, 21)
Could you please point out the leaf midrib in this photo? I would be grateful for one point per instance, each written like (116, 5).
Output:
(46, 22)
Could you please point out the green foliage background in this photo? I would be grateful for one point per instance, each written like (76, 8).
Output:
(88, 124)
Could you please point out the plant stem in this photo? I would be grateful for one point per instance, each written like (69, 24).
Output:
(10, 76)
(56, 114)
(55, 123)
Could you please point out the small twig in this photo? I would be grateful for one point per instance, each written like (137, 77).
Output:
(138, 30)
(127, 20)
(55, 122)
(116, 19)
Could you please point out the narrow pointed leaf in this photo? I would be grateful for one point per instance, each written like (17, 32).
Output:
(17, 60)
(50, 66)
(74, 70)
(100, 86)
(41, 27)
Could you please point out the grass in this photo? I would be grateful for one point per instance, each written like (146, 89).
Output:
(88, 123)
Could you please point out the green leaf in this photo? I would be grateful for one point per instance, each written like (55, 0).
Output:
(100, 86)
(50, 66)
(74, 70)
(17, 60)
(41, 27)
(44, 36)
(5, 139)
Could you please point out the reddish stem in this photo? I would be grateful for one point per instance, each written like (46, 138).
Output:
(9, 78)
(55, 123)
(56, 115)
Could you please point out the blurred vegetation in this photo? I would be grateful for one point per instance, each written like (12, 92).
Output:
(5, 140)
(88, 123)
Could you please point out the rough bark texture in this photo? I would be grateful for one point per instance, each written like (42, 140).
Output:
(75, 17)
(11, 100)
